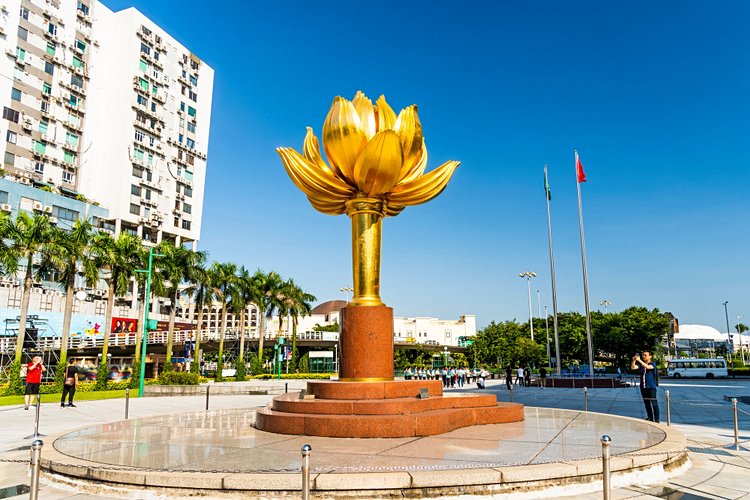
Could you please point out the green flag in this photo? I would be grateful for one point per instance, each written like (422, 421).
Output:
(546, 185)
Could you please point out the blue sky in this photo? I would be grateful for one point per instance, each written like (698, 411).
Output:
(654, 95)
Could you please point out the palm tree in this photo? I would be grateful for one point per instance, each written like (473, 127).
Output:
(27, 237)
(174, 269)
(298, 305)
(244, 293)
(264, 286)
(223, 275)
(72, 254)
(120, 258)
(202, 289)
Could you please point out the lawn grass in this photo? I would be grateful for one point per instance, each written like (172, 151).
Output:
(55, 397)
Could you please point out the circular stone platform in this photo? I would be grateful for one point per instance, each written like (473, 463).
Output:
(219, 454)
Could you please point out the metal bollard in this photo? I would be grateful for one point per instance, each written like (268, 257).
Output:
(36, 459)
(736, 426)
(306, 449)
(127, 401)
(510, 393)
(669, 413)
(36, 419)
(286, 387)
(585, 399)
(606, 487)
(208, 393)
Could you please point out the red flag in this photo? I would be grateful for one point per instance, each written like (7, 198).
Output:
(579, 170)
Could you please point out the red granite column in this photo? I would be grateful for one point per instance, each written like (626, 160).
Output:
(366, 344)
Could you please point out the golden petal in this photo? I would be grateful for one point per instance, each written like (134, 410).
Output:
(330, 208)
(343, 138)
(366, 113)
(409, 174)
(410, 131)
(386, 117)
(392, 210)
(311, 180)
(379, 165)
(424, 188)
(311, 149)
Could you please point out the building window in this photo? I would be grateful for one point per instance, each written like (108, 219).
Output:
(69, 158)
(191, 127)
(40, 147)
(23, 33)
(46, 88)
(25, 13)
(18, 73)
(67, 177)
(3, 197)
(11, 137)
(186, 224)
(190, 159)
(182, 106)
(194, 80)
(10, 158)
(20, 53)
(145, 49)
(135, 209)
(52, 28)
(136, 190)
(142, 101)
(143, 66)
(180, 137)
(43, 128)
(156, 55)
(83, 8)
(15, 94)
(190, 143)
(191, 111)
(137, 172)
(74, 100)
(188, 191)
(71, 139)
(39, 167)
(10, 114)
(187, 208)
(139, 135)
(143, 84)
(50, 48)
(49, 68)
(138, 154)
(80, 45)
(74, 119)
(150, 161)
(77, 63)
(65, 213)
(76, 81)
(149, 176)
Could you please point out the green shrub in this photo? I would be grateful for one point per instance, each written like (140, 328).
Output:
(135, 375)
(102, 372)
(304, 363)
(15, 384)
(241, 368)
(256, 365)
(179, 378)
(294, 376)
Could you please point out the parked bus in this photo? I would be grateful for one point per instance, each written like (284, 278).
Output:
(694, 367)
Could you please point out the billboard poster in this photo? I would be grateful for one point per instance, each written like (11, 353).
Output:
(124, 325)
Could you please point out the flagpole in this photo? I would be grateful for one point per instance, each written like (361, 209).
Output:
(552, 273)
(585, 277)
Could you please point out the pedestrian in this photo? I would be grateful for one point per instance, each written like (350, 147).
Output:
(527, 376)
(649, 383)
(542, 377)
(619, 373)
(519, 375)
(508, 377)
(70, 381)
(34, 372)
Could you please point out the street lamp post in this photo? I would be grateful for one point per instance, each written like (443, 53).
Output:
(742, 351)
(147, 306)
(346, 290)
(445, 354)
(729, 338)
(605, 303)
(546, 326)
(528, 275)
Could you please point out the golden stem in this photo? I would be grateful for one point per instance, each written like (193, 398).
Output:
(367, 219)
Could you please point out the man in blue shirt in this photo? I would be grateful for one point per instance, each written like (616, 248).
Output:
(649, 382)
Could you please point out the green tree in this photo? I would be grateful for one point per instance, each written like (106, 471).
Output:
(265, 286)
(118, 258)
(202, 287)
(224, 277)
(27, 236)
(298, 305)
(244, 292)
(174, 267)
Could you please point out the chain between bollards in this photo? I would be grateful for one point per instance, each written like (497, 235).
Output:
(36, 459)
(585, 399)
(306, 449)
(208, 394)
(606, 487)
(736, 425)
(669, 412)
(127, 402)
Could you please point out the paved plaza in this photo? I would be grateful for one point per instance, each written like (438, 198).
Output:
(177, 429)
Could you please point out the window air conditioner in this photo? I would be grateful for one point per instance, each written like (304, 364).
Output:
(5, 207)
(38, 206)
(47, 209)
(53, 220)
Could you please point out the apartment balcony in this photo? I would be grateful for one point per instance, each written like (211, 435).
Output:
(74, 107)
(72, 88)
(160, 98)
(147, 111)
(70, 147)
(83, 17)
(73, 126)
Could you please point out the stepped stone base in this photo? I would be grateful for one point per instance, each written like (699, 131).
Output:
(381, 409)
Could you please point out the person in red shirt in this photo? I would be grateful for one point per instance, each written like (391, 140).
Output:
(34, 372)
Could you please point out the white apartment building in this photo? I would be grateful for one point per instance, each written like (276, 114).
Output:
(107, 109)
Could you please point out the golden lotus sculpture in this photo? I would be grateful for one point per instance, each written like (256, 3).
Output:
(377, 168)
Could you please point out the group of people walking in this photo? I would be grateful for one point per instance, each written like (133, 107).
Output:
(451, 377)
